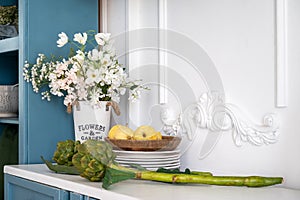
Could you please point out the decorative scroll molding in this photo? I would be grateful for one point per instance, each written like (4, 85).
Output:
(281, 53)
(212, 113)
(172, 123)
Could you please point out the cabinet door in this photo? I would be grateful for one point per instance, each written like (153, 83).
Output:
(76, 196)
(21, 189)
(43, 124)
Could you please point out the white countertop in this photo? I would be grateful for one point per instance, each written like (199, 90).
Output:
(146, 190)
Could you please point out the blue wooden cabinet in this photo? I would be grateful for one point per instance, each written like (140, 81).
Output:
(41, 124)
(21, 189)
(76, 196)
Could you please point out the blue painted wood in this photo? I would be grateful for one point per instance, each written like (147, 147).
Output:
(9, 120)
(89, 198)
(9, 44)
(76, 196)
(43, 124)
(21, 189)
(8, 2)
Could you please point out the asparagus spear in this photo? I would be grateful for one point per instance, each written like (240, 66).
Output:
(114, 175)
(94, 160)
(250, 181)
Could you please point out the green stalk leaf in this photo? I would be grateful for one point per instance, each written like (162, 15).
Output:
(114, 176)
(186, 171)
(63, 169)
(137, 167)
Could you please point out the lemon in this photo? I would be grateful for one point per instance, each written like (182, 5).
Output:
(146, 132)
(120, 132)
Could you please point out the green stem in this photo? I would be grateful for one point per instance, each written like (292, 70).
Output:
(117, 173)
(250, 181)
(201, 173)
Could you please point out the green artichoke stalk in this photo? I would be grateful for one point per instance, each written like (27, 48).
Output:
(95, 160)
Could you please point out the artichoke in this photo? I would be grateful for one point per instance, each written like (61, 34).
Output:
(94, 160)
(64, 152)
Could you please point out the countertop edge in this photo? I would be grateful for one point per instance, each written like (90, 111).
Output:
(146, 190)
(73, 183)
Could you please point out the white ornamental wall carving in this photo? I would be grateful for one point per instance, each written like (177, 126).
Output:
(212, 113)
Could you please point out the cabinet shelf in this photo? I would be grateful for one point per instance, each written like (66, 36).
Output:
(9, 120)
(9, 44)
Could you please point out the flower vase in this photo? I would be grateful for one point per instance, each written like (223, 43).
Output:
(91, 122)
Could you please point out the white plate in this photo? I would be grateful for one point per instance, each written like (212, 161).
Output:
(147, 154)
(177, 161)
(168, 166)
(176, 151)
(156, 168)
(121, 158)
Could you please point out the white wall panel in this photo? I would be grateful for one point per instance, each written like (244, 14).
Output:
(240, 39)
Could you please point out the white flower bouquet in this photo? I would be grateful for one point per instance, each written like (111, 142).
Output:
(86, 75)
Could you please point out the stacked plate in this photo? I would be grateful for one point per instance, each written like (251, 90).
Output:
(152, 160)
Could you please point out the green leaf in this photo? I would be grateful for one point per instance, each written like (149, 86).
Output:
(186, 171)
(72, 52)
(114, 176)
(133, 87)
(173, 171)
(62, 169)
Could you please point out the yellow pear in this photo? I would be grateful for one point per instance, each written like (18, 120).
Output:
(146, 132)
(120, 132)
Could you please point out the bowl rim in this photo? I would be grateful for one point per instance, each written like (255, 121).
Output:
(167, 143)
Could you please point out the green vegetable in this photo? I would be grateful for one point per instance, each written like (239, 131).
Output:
(64, 152)
(186, 171)
(250, 181)
(94, 160)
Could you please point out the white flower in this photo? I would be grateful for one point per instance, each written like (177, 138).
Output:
(80, 38)
(122, 90)
(108, 48)
(79, 57)
(82, 94)
(93, 76)
(63, 39)
(69, 99)
(102, 38)
(94, 55)
(94, 98)
(106, 60)
(134, 95)
(61, 67)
